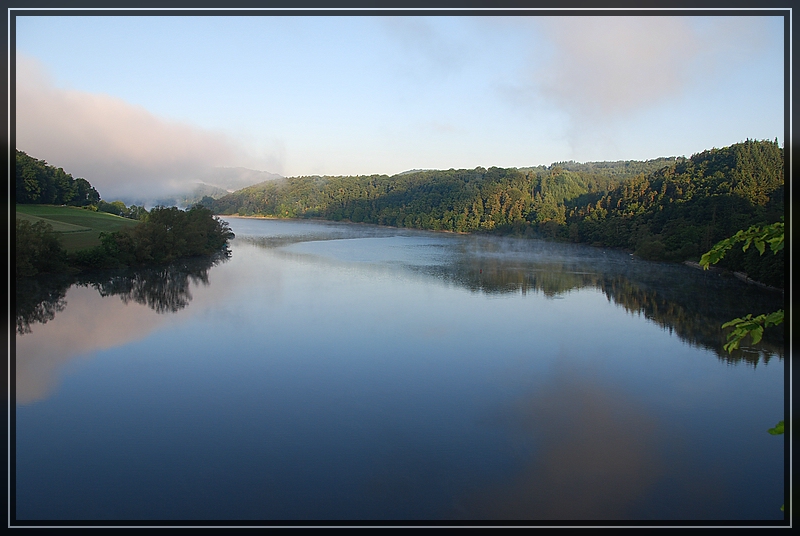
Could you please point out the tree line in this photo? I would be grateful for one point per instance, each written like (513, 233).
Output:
(668, 209)
(453, 200)
(39, 183)
(165, 235)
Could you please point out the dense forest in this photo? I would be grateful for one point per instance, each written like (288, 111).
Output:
(452, 200)
(668, 209)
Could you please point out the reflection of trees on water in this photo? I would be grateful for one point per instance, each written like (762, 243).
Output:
(694, 309)
(321, 231)
(164, 289)
(692, 304)
(38, 300)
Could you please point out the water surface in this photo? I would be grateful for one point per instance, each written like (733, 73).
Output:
(345, 372)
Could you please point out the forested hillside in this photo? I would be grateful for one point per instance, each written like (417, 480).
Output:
(680, 211)
(453, 200)
(666, 209)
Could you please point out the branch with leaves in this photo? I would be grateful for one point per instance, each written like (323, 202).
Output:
(760, 237)
(749, 325)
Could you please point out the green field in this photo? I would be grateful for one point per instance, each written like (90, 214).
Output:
(77, 227)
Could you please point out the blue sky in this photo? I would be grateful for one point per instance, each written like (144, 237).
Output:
(149, 103)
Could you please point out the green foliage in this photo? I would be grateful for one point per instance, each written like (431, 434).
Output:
(760, 236)
(778, 430)
(118, 208)
(619, 168)
(747, 325)
(165, 235)
(37, 182)
(37, 249)
(757, 235)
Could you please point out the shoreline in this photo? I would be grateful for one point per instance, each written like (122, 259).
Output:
(348, 222)
(691, 264)
(738, 275)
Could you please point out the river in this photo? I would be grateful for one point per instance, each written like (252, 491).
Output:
(331, 371)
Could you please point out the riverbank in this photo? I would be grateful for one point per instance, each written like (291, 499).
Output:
(692, 264)
(166, 235)
(739, 275)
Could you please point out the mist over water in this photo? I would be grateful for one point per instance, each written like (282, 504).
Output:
(332, 371)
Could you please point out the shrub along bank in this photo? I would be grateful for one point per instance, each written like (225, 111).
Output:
(166, 234)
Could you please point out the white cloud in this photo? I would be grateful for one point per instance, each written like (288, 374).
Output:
(604, 66)
(607, 66)
(122, 149)
(603, 72)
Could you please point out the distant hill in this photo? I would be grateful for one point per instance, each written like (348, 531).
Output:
(461, 200)
(188, 198)
(236, 178)
(215, 183)
(413, 171)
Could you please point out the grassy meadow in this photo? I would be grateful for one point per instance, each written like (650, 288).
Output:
(78, 228)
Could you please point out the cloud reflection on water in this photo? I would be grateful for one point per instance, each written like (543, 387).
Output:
(592, 455)
(87, 325)
(129, 307)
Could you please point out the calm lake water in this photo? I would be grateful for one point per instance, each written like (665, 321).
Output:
(346, 372)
